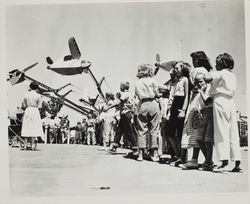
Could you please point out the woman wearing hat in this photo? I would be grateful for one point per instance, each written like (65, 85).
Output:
(32, 123)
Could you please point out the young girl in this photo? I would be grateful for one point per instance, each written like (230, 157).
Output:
(226, 135)
(205, 127)
(189, 134)
(148, 120)
(198, 131)
(167, 102)
(78, 133)
(178, 111)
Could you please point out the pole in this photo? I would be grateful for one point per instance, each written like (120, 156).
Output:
(46, 134)
(68, 140)
(181, 49)
(97, 85)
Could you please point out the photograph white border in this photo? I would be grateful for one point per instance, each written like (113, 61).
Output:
(228, 198)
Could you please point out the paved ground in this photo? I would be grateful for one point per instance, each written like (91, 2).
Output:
(66, 170)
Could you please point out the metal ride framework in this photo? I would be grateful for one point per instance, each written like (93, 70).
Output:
(58, 100)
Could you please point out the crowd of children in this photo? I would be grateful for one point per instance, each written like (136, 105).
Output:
(194, 109)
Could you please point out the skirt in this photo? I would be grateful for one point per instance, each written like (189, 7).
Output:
(190, 134)
(32, 123)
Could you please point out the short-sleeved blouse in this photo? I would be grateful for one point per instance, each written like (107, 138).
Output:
(224, 82)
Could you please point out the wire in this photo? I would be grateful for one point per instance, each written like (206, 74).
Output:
(88, 93)
(108, 86)
(77, 87)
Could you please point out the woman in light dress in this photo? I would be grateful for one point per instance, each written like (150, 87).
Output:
(32, 123)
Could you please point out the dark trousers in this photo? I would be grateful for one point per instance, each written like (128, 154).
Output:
(127, 129)
(176, 125)
(167, 148)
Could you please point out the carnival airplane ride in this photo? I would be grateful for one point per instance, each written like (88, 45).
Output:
(73, 64)
(68, 65)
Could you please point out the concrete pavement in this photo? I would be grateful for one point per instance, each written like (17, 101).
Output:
(76, 170)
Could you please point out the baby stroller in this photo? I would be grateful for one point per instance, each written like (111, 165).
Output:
(64, 130)
(14, 130)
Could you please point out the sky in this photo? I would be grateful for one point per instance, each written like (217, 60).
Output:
(117, 37)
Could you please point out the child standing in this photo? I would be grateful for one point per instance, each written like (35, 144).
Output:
(108, 121)
(189, 134)
(146, 89)
(205, 127)
(91, 130)
(78, 133)
(84, 130)
(125, 126)
(226, 135)
(198, 130)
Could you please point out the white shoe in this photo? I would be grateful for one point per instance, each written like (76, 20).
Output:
(221, 169)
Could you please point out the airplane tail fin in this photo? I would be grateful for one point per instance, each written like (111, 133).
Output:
(74, 49)
(16, 77)
(49, 60)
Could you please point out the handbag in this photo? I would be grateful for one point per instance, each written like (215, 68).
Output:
(197, 117)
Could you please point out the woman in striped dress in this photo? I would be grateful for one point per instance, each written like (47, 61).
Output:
(201, 65)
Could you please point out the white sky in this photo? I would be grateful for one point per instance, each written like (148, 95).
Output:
(116, 38)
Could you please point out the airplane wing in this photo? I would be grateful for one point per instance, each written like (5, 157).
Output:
(74, 49)
(167, 65)
(29, 67)
(70, 67)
